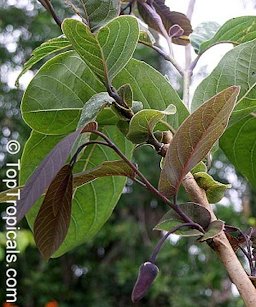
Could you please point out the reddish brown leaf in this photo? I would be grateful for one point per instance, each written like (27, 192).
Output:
(171, 18)
(39, 181)
(107, 168)
(195, 138)
(90, 127)
(168, 17)
(44, 174)
(234, 242)
(52, 222)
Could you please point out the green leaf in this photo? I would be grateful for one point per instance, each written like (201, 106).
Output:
(236, 31)
(238, 64)
(214, 190)
(200, 167)
(203, 32)
(152, 89)
(118, 40)
(125, 92)
(72, 83)
(214, 229)
(53, 219)
(107, 52)
(197, 213)
(143, 123)
(10, 194)
(97, 12)
(239, 145)
(86, 45)
(51, 46)
(90, 111)
(54, 99)
(146, 38)
(137, 106)
(93, 106)
(195, 138)
(93, 203)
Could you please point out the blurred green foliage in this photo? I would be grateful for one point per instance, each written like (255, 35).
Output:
(101, 273)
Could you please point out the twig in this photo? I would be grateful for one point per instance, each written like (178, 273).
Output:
(188, 69)
(163, 239)
(191, 7)
(223, 248)
(47, 4)
(119, 104)
(149, 186)
(166, 56)
(80, 148)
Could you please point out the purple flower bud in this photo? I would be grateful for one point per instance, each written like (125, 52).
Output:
(147, 274)
(176, 31)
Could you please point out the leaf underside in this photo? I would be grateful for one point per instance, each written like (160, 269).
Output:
(52, 222)
(194, 139)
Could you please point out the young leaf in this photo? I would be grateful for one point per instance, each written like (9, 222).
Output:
(239, 145)
(51, 46)
(142, 123)
(107, 168)
(93, 106)
(137, 106)
(203, 32)
(97, 12)
(148, 13)
(52, 222)
(43, 175)
(146, 38)
(197, 213)
(195, 138)
(200, 167)
(236, 31)
(239, 64)
(171, 18)
(54, 99)
(125, 92)
(214, 229)
(214, 190)
(107, 52)
(234, 241)
(152, 89)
